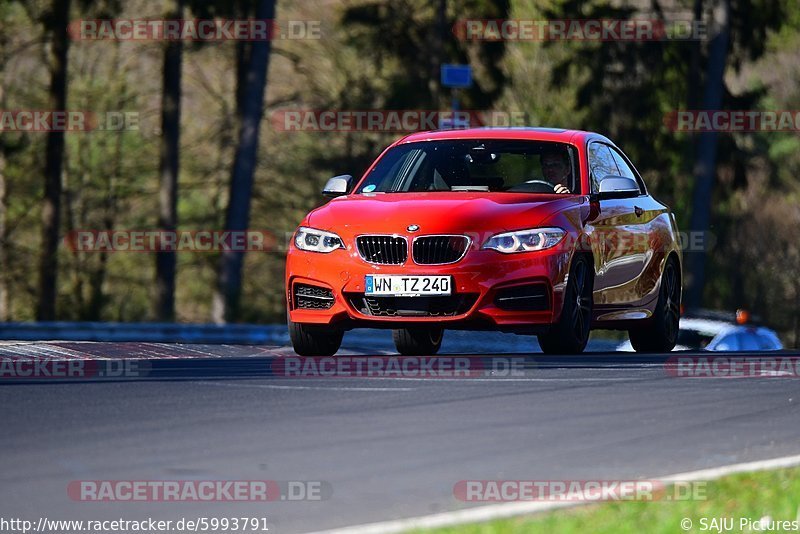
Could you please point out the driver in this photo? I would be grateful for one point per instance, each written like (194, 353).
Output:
(556, 170)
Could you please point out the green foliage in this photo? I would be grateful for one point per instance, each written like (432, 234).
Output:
(771, 494)
(405, 41)
(381, 54)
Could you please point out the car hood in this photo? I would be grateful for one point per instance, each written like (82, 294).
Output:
(439, 212)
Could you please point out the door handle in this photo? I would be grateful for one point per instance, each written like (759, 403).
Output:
(638, 211)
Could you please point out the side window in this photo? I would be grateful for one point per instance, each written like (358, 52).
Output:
(624, 169)
(601, 164)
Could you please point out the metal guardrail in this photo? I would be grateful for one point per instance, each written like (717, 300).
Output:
(247, 334)
(251, 334)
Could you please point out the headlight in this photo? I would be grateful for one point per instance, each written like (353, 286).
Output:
(317, 240)
(525, 240)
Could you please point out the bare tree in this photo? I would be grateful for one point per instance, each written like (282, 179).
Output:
(705, 168)
(169, 167)
(4, 311)
(253, 74)
(56, 21)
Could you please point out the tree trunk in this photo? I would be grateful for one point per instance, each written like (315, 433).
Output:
(694, 87)
(169, 165)
(54, 159)
(705, 164)
(694, 62)
(244, 50)
(229, 281)
(438, 37)
(4, 311)
(797, 314)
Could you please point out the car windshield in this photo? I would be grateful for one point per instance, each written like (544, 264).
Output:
(474, 165)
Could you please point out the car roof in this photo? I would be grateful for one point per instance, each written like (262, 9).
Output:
(705, 326)
(714, 328)
(516, 133)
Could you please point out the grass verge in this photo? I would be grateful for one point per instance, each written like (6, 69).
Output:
(771, 495)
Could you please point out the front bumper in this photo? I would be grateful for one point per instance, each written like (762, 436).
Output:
(484, 285)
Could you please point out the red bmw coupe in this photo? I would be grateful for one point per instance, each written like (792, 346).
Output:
(526, 230)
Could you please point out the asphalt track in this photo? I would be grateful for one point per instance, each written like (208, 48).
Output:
(381, 448)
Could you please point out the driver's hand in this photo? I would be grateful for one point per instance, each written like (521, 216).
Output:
(561, 189)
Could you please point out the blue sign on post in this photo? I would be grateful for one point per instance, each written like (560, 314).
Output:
(456, 76)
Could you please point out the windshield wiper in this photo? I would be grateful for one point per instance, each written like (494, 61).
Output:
(482, 188)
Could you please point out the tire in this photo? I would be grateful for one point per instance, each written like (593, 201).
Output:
(418, 341)
(312, 340)
(661, 331)
(570, 334)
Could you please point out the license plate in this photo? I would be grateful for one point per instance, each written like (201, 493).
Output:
(402, 286)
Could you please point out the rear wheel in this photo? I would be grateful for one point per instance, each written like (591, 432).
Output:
(313, 340)
(661, 332)
(570, 334)
(418, 341)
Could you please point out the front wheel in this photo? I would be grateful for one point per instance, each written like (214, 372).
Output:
(418, 341)
(571, 333)
(312, 340)
(661, 332)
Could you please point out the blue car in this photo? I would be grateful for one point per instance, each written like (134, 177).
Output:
(715, 331)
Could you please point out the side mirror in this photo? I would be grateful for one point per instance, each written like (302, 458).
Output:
(613, 186)
(337, 186)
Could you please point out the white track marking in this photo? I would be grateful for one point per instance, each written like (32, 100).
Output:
(492, 379)
(499, 511)
(275, 386)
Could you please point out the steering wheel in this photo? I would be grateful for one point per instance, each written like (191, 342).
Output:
(536, 186)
